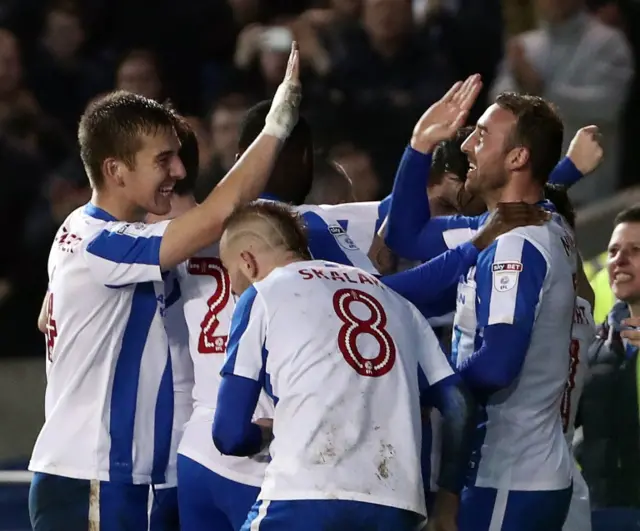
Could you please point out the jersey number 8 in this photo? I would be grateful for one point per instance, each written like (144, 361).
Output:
(209, 343)
(354, 326)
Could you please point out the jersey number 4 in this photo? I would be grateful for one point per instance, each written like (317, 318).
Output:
(209, 342)
(565, 405)
(353, 326)
(51, 329)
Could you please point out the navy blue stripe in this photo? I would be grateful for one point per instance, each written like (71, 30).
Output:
(125, 249)
(163, 427)
(125, 382)
(265, 377)
(322, 244)
(174, 295)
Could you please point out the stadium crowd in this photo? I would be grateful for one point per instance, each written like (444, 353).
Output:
(180, 396)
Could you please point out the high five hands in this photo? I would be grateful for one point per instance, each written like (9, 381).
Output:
(446, 116)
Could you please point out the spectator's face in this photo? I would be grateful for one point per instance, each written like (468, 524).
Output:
(10, 64)
(63, 34)
(149, 185)
(486, 150)
(624, 262)
(347, 8)
(225, 127)
(557, 10)
(139, 75)
(387, 20)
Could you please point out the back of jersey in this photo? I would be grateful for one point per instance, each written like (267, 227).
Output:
(339, 353)
(582, 335)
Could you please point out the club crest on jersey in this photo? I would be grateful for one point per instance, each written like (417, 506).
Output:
(505, 275)
(131, 228)
(342, 238)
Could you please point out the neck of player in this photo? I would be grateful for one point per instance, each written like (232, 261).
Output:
(634, 309)
(119, 209)
(515, 192)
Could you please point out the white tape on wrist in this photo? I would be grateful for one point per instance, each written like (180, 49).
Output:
(283, 115)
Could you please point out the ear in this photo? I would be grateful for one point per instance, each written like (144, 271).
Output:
(518, 158)
(250, 268)
(113, 170)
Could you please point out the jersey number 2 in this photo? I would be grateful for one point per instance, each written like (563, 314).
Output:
(209, 343)
(565, 405)
(354, 326)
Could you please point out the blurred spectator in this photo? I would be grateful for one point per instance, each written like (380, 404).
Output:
(331, 184)
(13, 94)
(224, 127)
(359, 166)
(609, 407)
(139, 72)
(63, 81)
(582, 66)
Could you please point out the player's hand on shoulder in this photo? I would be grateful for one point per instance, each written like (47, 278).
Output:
(506, 217)
(446, 116)
(631, 330)
(283, 115)
(585, 150)
(383, 258)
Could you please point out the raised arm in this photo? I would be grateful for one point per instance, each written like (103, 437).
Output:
(202, 226)
(409, 232)
(233, 431)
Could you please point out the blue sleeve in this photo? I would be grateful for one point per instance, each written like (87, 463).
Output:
(411, 232)
(233, 432)
(565, 173)
(425, 284)
(509, 277)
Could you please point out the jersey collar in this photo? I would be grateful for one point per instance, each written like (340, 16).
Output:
(91, 210)
(270, 197)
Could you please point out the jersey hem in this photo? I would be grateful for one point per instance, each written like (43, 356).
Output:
(527, 487)
(216, 468)
(76, 473)
(344, 496)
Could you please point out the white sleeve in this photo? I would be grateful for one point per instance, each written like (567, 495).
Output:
(431, 357)
(126, 253)
(247, 338)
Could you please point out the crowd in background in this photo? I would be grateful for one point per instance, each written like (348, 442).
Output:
(370, 68)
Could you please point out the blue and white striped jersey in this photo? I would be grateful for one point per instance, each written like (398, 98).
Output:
(109, 398)
(524, 280)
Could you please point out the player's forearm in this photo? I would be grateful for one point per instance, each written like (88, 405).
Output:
(458, 425)
(409, 211)
(424, 284)
(498, 362)
(202, 226)
(233, 431)
(565, 173)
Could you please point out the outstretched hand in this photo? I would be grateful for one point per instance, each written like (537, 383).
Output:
(283, 115)
(585, 150)
(446, 116)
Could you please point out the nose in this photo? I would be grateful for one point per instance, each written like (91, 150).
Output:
(177, 170)
(467, 145)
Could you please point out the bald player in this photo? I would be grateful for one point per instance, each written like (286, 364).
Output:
(345, 456)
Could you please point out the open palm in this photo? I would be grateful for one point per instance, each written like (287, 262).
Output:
(446, 116)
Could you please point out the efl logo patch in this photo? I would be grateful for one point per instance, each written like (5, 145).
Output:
(342, 238)
(505, 275)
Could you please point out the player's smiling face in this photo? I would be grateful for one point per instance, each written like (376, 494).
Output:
(486, 148)
(157, 168)
(624, 262)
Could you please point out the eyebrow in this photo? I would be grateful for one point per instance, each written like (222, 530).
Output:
(482, 128)
(164, 154)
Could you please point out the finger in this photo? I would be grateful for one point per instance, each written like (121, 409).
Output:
(469, 92)
(293, 66)
(591, 129)
(631, 335)
(463, 89)
(458, 121)
(631, 321)
(451, 92)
